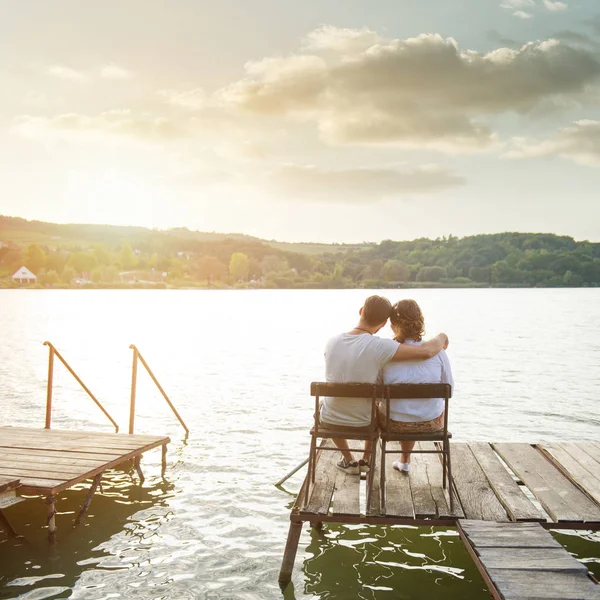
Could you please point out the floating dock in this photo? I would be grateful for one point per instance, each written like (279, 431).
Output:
(47, 461)
(497, 485)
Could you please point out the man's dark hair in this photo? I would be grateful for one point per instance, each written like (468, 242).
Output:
(376, 310)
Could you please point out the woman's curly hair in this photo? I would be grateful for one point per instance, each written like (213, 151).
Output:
(407, 316)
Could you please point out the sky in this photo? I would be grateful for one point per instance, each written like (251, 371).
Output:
(320, 120)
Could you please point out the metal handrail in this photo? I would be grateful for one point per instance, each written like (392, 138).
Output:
(54, 351)
(136, 356)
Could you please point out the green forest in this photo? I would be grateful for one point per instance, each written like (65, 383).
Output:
(96, 256)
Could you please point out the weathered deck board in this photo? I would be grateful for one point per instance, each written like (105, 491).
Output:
(346, 495)
(512, 498)
(528, 570)
(560, 498)
(375, 508)
(476, 495)
(546, 585)
(51, 455)
(424, 504)
(435, 477)
(90, 453)
(398, 497)
(43, 458)
(577, 465)
(322, 492)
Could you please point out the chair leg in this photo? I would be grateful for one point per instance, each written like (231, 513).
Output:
(382, 478)
(370, 474)
(444, 464)
(450, 483)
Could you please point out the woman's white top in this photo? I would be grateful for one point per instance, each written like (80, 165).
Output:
(432, 370)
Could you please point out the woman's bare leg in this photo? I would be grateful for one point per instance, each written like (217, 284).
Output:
(406, 448)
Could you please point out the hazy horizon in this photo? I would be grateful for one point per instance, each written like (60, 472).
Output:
(313, 121)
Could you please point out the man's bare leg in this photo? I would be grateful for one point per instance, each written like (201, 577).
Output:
(406, 448)
(342, 444)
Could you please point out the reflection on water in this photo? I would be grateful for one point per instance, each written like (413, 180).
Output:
(29, 561)
(369, 562)
(237, 366)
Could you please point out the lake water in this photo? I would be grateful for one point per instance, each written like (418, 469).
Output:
(237, 365)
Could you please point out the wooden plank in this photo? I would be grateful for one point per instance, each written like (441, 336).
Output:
(375, 508)
(325, 474)
(39, 486)
(559, 497)
(398, 497)
(508, 492)
(346, 495)
(575, 464)
(549, 585)
(8, 483)
(440, 496)
(526, 571)
(477, 498)
(42, 459)
(45, 474)
(35, 442)
(65, 433)
(72, 469)
(424, 504)
(530, 559)
(87, 448)
(72, 455)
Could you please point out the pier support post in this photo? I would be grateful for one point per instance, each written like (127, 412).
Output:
(88, 499)
(164, 460)
(5, 524)
(138, 469)
(51, 504)
(289, 555)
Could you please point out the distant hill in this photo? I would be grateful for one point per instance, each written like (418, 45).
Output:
(122, 256)
(55, 235)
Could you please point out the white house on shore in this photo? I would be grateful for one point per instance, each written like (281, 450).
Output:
(24, 275)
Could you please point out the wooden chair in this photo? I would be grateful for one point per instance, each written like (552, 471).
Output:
(326, 431)
(421, 391)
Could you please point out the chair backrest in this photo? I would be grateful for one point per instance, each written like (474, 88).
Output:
(346, 390)
(415, 391)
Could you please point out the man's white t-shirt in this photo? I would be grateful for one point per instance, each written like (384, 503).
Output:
(353, 359)
(432, 370)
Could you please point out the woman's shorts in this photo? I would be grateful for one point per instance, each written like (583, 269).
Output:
(412, 427)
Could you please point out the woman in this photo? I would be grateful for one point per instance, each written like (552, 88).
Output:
(418, 416)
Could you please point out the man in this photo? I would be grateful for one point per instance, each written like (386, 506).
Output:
(357, 357)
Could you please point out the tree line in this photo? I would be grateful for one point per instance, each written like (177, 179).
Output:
(183, 258)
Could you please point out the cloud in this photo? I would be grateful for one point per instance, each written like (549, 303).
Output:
(361, 185)
(66, 73)
(194, 99)
(521, 14)
(555, 5)
(111, 124)
(579, 143)
(113, 71)
(343, 41)
(417, 92)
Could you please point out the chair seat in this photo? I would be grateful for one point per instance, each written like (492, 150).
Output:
(348, 433)
(430, 436)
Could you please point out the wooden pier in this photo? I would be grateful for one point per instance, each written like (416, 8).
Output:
(531, 487)
(44, 462)
(47, 461)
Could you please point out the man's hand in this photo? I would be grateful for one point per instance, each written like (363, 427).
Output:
(426, 350)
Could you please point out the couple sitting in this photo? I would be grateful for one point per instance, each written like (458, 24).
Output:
(358, 356)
